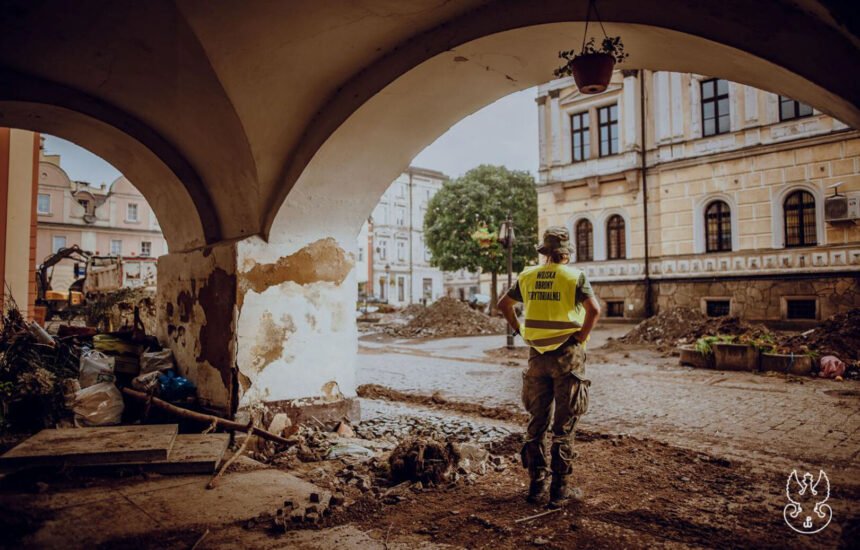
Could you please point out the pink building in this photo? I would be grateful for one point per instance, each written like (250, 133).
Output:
(111, 220)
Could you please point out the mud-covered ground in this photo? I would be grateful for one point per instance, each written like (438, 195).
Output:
(638, 493)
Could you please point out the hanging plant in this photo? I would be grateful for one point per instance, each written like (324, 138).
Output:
(591, 68)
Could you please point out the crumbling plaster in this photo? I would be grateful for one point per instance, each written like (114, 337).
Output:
(196, 318)
(249, 321)
(308, 296)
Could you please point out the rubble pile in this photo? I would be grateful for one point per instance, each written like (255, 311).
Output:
(839, 335)
(394, 428)
(423, 459)
(683, 325)
(450, 317)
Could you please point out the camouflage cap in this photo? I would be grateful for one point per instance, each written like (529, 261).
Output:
(555, 238)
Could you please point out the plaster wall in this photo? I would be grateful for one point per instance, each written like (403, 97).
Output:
(296, 331)
(197, 317)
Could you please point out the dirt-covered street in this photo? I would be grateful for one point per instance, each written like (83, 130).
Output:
(669, 455)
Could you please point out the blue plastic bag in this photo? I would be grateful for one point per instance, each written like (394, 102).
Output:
(175, 388)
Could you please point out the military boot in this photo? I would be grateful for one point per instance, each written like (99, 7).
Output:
(537, 488)
(560, 493)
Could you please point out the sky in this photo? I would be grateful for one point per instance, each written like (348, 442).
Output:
(504, 132)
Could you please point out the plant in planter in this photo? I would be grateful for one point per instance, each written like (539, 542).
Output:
(591, 68)
(704, 345)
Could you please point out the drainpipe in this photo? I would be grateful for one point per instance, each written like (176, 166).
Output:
(649, 309)
(370, 287)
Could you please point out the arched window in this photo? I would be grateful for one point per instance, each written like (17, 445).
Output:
(615, 243)
(584, 240)
(799, 214)
(718, 227)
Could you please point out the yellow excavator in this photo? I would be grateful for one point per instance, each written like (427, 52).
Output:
(92, 274)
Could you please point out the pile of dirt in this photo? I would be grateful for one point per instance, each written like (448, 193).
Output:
(449, 317)
(839, 335)
(683, 325)
(412, 310)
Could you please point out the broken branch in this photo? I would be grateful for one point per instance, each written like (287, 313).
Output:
(536, 516)
(206, 418)
(211, 484)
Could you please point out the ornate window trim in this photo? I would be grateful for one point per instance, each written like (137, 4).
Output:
(778, 218)
(699, 244)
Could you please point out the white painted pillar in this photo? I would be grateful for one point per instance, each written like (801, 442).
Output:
(750, 105)
(555, 126)
(735, 116)
(677, 106)
(695, 107)
(662, 116)
(543, 153)
(260, 323)
(630, 110)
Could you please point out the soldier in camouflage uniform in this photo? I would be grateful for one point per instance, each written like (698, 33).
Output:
(560, 311)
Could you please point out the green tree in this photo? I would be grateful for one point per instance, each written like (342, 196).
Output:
(482, 197)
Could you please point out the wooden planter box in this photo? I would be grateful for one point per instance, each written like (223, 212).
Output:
(736, 357)
(800, 365)
(692, 357)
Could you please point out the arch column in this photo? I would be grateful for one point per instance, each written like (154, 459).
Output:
(254, 323)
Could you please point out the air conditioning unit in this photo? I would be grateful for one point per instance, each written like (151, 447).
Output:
(841, 208)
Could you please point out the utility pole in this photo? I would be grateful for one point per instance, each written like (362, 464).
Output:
(506, 237)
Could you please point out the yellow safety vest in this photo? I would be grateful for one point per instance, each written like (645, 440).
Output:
(549, 297)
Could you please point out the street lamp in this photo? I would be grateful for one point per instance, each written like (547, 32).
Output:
(506, 239)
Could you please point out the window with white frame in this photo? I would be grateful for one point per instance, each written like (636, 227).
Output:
(401, 250)
(58, 242)
(131, 212)
(401, 216)
(44, 203)
(116, 247)
(718, 227)
(799, 219)
(584, 241)
(715, 107)
(789, 109)
(145, 248)
(616, 248)
(607, 124)
(383, 249)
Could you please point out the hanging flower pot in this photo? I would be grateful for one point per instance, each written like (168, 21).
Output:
(592, 67)
(592, 72)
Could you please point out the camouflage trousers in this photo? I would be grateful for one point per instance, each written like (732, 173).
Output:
(553, 377)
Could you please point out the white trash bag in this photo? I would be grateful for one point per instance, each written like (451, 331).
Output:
(98, 405)
(96, 367)
(156, 361)
(147, 383)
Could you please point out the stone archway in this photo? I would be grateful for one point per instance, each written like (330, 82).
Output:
(266, 132)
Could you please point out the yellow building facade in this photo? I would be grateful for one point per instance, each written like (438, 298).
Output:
(751, 199)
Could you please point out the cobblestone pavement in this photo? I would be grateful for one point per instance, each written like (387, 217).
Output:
(813, 423)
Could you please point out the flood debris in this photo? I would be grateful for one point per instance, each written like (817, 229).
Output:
(423, 459)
